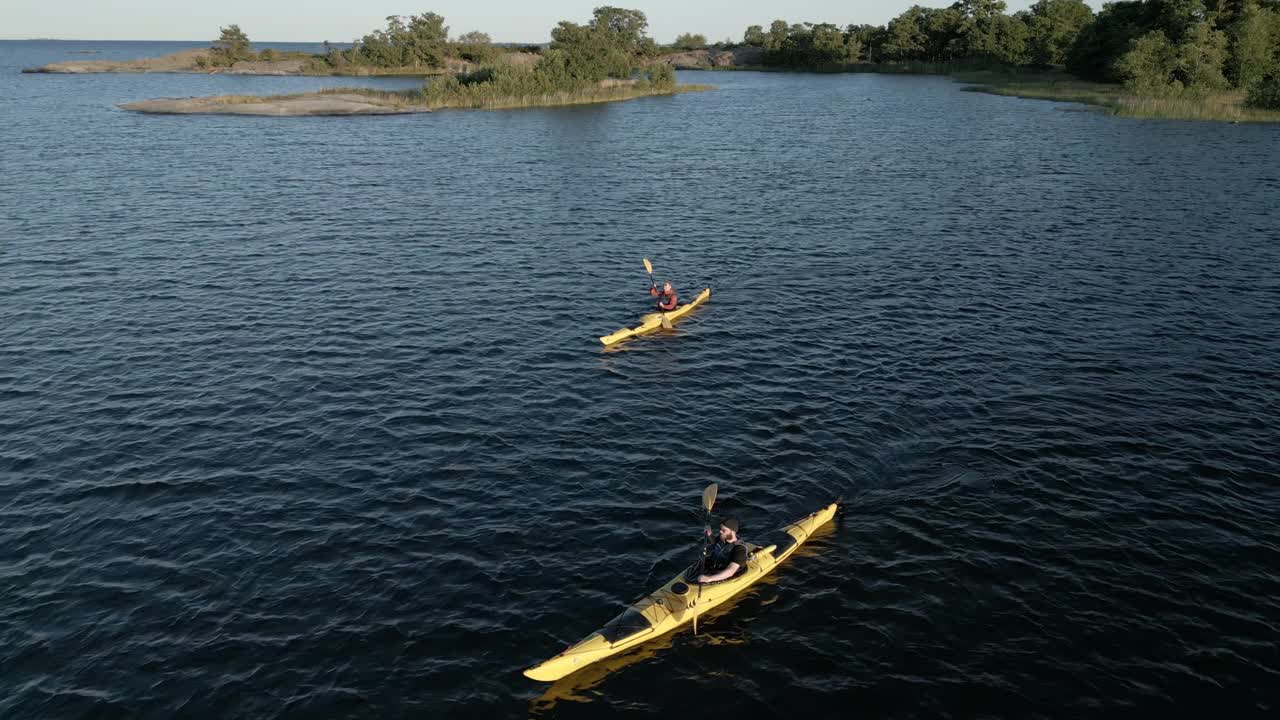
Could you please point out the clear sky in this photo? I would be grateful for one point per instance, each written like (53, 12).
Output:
(342, 20)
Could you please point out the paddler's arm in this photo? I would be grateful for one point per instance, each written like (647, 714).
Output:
(722, 575)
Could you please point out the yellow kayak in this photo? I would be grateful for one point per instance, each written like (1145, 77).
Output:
(653, 321)
(679, 601)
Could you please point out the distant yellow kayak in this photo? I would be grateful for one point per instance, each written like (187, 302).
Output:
(653, 321)
(678, 602)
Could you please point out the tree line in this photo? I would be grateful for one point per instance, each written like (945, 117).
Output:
(417, 41)
(1155, 47)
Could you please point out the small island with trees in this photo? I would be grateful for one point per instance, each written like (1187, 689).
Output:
(604, 60)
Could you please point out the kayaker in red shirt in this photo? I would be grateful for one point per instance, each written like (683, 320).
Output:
(666, 296)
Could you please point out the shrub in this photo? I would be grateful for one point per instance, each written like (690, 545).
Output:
(691, 41)
(1147, 69)
(232, 44)
(661, 75)
(1265, 93)
(476, 47)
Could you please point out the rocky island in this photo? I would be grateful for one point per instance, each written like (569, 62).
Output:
(607, 59)
(325, 103)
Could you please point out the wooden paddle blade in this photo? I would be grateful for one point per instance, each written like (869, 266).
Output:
(648, 267)
(709, 496)
(666, 322)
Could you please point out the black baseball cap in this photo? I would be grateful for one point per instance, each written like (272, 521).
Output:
(731, 523)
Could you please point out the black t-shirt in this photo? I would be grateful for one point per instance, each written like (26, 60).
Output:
(723, 553)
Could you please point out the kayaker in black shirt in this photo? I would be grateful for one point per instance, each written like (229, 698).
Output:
(727, 555)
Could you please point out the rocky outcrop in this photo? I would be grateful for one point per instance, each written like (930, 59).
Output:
(184, 61)
(287, 106)
(741, 56)
(189, 61)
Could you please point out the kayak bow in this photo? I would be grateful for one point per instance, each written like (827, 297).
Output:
(653, 321)
(678, 602)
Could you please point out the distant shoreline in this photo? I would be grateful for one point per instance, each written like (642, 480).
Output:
(1054, 85)
(195, 61)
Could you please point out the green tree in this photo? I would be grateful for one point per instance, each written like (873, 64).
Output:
(582, 52)
(1265, 92)
(853, 48)
(475, 46)
(828, 46)
(982, 33)
(907, 36)
(625, 29)
(609, 47)
(1254, 41)
(1177, 18)
(778, 32)
(1011, 35)
(1158, 66)
(232, 44)
(691, 41)
(1054, 26)
(942, 25)
(1202, 55)
(427, 40)
(1097, 50)
(661, 75)
(423, 41)
(1147, 69)
(814, 46)
(754, 36)
(868, 40)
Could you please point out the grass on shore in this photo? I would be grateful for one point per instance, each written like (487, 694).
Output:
(908, 67)
(585, 96)
(318, 67)
(1059, 86)
(417, 99)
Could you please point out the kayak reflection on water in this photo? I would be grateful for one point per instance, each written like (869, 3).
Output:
(727, 555)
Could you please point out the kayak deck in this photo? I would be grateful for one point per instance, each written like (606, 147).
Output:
(653, 321)
(678, 602)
